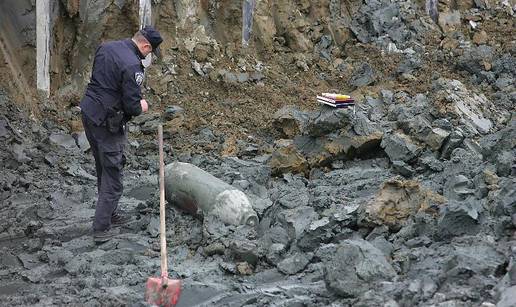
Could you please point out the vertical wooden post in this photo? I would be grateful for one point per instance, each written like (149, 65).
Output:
(146, 19)
(43, 46)
(145, 13)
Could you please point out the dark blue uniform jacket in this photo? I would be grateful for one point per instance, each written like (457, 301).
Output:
(115, 82)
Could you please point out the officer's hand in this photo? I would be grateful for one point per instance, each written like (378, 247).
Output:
(144, 105)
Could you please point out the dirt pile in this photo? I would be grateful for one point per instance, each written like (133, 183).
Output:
(408, 201)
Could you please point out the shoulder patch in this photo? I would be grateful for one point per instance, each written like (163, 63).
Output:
(138, 77)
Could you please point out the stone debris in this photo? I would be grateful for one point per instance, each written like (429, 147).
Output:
(408, 200)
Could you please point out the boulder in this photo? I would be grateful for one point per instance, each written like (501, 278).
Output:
(323, 151)
(245, 251)
(290, 121)
(459, 218)
(274, 253)
(397, 201)
(458, 188)
(328, 120)
(296, 220)
(286, 160)
(294, 264)
(82, 141)
(449, 21)
(363, 75)
(63, 140)
(291, 195)
(318, 232)
(355, 266)
(473, 109)
(454, 140)
(399, 147)
(435, 138)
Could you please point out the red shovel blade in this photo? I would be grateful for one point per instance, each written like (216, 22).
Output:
(161, 291)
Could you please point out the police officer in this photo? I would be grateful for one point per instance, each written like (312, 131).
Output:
(112, 98)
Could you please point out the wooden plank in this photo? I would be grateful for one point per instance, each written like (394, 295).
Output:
(43, 46)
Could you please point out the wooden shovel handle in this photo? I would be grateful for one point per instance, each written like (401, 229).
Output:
(163, 235)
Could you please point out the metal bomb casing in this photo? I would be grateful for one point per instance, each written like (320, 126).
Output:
(191, 189)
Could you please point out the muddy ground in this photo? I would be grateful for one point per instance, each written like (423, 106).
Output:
(409, 200)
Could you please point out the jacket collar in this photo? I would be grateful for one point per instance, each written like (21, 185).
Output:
(136, 50)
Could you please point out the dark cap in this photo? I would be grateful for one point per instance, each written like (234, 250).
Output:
(154, 38)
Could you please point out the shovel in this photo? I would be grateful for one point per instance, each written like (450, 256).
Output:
(162, 291)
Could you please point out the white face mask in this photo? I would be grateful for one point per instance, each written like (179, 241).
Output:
(147, 61)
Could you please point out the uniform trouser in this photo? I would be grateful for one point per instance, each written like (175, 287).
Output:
(108, 151)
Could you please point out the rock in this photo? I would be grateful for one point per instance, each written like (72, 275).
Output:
(19, 155)
(197, 68)
(398, 200)
(38, 274)
(504, 83)
(242, 77)
(228, 77)
(277, 234)
(171, 112)
(471, 259)
(298, 41)
(436, 138)
(382, 244)
(29, 261)
(201, 52)
(8, 260)
(323, 47)
(399, 147)
(256, 76)
(449, 21)
(3, 128)
(228, 267)
(459, 218)
(63, 140)
(387, 96)
(480, 38)
(318, 232)
(294, 264)
(402, 168)
(475, 61)
(505, 163)
(508, 298)
(214, 249)
(323, 151)
(286, 160)
(150, 126)
(454, 140)
(50, 159)
(376, 19)
(141, 119)
(470, 107)
(290, 121)
(417, 126)
(291, 195)
(363, 126)
(458, 188)
(327, 121)
(506, 197)
(76, 170)
(296, 220)
(245, 250)
(355, 266)
(153, 227)
(82, 141)
(363, 75)
(244, 268)
(274, 253)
